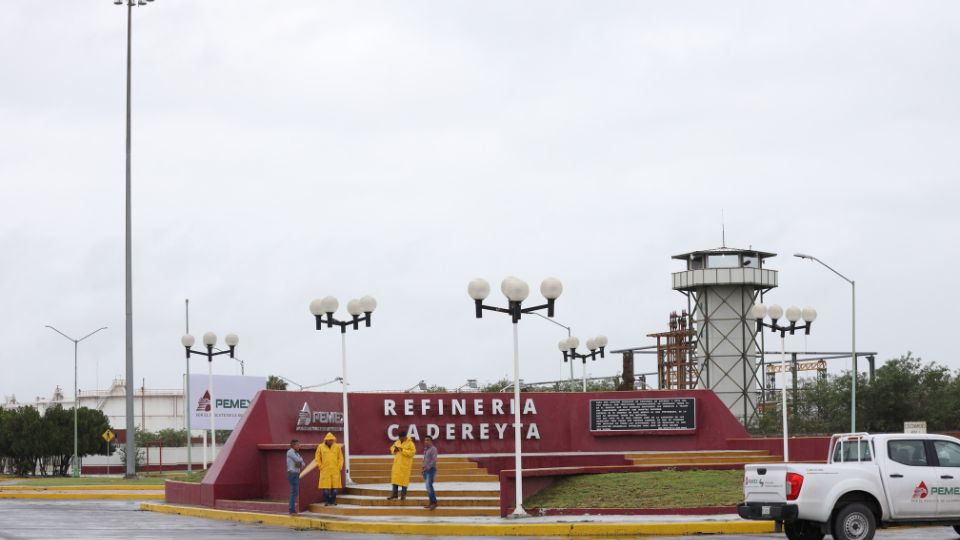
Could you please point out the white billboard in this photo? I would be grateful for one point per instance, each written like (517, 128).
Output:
(232, 396)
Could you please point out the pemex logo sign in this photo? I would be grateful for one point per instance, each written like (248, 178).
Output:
(310, 420)
(920, 492)
(203, 405)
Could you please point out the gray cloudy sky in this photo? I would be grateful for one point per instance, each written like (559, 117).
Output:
(285, 151)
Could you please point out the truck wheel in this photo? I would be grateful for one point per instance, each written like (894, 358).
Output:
(802, 530)
(854, 522)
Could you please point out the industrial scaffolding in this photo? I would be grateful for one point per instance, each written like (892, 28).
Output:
(676, 369)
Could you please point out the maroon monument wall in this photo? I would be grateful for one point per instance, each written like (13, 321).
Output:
(252, 464)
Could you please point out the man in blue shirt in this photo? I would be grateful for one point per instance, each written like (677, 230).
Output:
(294, 464)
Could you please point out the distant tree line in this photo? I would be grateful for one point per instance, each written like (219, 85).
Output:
(904, 389)
(31, 443)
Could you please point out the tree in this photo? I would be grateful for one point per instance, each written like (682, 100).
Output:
(274, 382)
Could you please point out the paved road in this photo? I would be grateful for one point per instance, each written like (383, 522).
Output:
(60, 520)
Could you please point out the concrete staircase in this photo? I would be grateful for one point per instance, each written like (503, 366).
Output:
(463, 488)
(372, 501)
(376, 470)
(728, 457)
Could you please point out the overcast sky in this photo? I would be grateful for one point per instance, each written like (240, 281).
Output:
(286, 151)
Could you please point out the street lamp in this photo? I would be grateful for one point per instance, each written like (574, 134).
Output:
(853, 336)
(128, 261)
(75, 467)
(569, 334)
(421, 386)
(360, 311)
(794, 314)
(209, 341)
(569, 349)
(516, 291)
(302, 387)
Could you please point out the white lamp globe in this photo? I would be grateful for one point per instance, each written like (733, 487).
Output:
(316, 307)
(573, 342)
(231, 340)
(506, 284)
(601, 341)
(354, 308)
(775, 312)
(551, 288)
(210, 339)
(516, 290)
(793, 314)
(368, 304)
(187, 341)
(329, 304)
(758, 311)
(478, 288)
(809, 314)
(592, 344)
(563, 345)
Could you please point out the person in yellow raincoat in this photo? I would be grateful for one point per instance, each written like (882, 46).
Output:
(403, 451)
(329, 459)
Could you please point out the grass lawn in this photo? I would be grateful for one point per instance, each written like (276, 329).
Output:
(195, 476)
(91, 481)
(655, 489)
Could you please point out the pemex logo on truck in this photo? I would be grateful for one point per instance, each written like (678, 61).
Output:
(920, 492)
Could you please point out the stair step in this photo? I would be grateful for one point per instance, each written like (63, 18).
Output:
(445, 511)
(385, 479)
(694, 454)
(416, 459)
(704, 460)
(374, 492)
(449, 467)
(418, 502)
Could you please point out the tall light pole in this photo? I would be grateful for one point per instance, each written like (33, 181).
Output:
(569, 334)
(569, 349)
(187, 413)
(209, 341)
(794, 314)
(131, 447)
(76, 397)
(328, 306)
(516, 291)
(853, 336)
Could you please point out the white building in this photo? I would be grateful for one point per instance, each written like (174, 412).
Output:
(153, 409)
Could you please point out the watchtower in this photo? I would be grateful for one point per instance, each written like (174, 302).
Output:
(721, 286)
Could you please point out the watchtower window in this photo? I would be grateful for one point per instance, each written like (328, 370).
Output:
(723, 261)
(696, 263)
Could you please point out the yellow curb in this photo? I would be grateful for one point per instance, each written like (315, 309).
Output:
(83, 496)
(82, 488)
(473, 529)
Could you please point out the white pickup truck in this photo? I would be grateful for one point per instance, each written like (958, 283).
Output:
(868, 481)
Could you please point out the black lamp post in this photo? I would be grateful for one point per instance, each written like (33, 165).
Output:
(210, 342)
(516, 291)
(361, 311)
(569, 346)
(794, 314)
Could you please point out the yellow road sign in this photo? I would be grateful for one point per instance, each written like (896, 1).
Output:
(108, 435)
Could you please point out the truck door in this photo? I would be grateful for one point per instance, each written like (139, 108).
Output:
(948, 485)
(909, 476)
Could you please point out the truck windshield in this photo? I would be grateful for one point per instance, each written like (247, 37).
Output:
(856, 450)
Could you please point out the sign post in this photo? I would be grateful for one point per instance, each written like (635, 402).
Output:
(108, 436)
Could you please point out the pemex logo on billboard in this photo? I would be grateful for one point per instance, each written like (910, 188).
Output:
(203, 405)
(230, 399)
(310, 420)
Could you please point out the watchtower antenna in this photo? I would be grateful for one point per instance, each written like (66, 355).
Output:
(723, 230)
